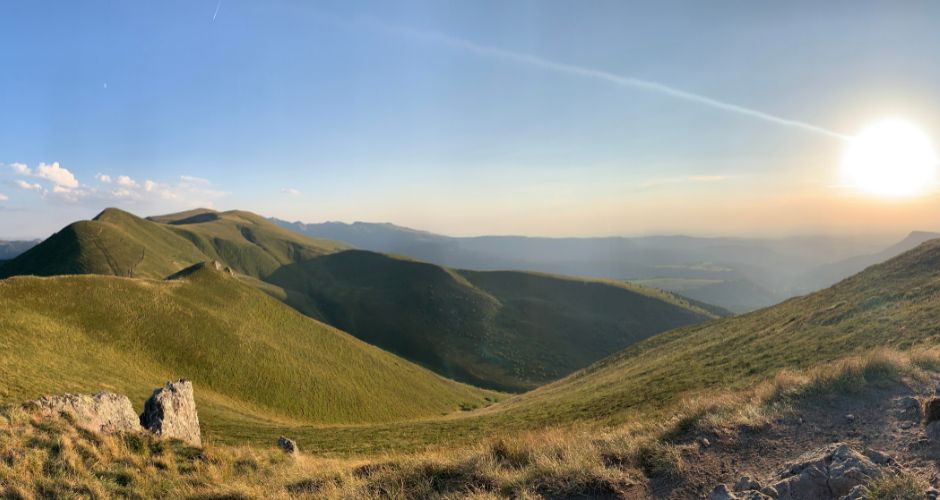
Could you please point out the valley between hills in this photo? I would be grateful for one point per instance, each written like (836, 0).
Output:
(400, 378)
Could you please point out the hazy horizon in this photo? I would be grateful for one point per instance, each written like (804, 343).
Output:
(483, 118)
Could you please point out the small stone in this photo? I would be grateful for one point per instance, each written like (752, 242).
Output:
(906, 425)
(850, 418)
(171, 413)
(288, 445)
(705, 442)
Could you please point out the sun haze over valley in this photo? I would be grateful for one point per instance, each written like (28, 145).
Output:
(419, 249)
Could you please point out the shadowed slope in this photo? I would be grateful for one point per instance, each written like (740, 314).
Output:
(504, 330)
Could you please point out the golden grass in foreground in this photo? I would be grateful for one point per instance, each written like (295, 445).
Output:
(53, 458)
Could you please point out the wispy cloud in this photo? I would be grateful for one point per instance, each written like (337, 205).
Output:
(290, 191)
(29, 186)
(601, 76)
(126, 182)
(4, 197)
(63, 186)
(216, 13)
(21, 169)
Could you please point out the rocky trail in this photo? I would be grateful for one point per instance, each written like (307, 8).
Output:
(827, 447)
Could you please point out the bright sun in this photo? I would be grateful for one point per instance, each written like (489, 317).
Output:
(890, 158)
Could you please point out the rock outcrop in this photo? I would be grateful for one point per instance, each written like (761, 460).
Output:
(171, 413)
(834, 472)
(101, 412)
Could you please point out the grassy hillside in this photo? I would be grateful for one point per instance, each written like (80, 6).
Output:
(246, 242)
(113, 243)
(503, 330)
(253, 359)
(507, 331)
(893, 304)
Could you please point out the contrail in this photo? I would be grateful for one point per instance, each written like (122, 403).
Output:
(604, 76)
(217, 7)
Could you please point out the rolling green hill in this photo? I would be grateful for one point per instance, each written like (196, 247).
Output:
(895, 304)
(253, 359)
(500, 330)
(891, 305)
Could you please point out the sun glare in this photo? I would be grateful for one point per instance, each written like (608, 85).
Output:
(890, 158)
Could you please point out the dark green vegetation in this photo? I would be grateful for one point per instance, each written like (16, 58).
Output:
(505, 330)
(254, 359)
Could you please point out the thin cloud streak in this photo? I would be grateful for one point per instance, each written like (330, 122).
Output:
(604, 76)
(217, 7)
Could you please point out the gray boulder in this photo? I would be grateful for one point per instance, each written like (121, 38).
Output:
(832, 472)
(288, 445)
(171, 413)
(101, 412)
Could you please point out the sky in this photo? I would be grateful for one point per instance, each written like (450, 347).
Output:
(555, 118)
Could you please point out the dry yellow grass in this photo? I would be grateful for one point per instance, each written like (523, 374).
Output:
(54, 458)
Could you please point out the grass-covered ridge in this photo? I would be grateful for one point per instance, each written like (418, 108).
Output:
(503, 330)
(894, 304)
(500, 330)
(254, 359)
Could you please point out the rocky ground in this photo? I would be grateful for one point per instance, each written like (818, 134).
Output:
(824, 448)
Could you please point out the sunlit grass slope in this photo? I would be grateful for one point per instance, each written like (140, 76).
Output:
(251, 358)
(113, 243)
(895, 304)
(892, 305)
(248, 243)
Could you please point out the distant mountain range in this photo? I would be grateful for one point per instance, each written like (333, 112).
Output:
(739, 274)
(10, 249)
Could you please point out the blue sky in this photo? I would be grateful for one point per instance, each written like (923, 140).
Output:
(433, 115)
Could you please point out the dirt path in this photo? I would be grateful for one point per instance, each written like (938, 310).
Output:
(879, 418)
